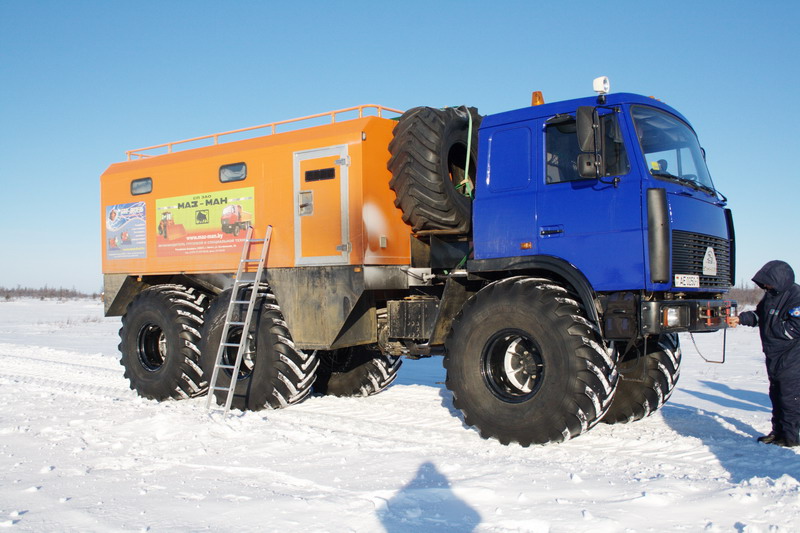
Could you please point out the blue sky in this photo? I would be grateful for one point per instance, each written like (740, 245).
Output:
(83, 81)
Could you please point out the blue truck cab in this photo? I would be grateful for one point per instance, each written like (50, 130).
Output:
(612, 195)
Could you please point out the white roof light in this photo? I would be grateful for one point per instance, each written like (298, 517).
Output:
(601, 85)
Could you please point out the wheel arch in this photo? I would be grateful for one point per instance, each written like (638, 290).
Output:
(119, 290)
(543, 266)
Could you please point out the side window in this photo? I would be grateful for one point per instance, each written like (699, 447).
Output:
(562, 150)
(509, 159)
(233, 172)
(141, 186)
(614, 156)
(561, 146)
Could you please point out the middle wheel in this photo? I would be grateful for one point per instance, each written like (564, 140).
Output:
(355, 371)
(525, 365)
(273, 373)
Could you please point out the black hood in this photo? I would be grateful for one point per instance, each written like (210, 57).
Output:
(777, 274)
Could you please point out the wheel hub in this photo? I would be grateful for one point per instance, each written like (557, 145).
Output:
(248, 357)
(512, 365)
(151, 347)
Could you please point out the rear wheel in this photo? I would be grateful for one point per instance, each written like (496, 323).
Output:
(273, 373)
(159, 342)
(648, 375)
(355, 371)
(525, 365)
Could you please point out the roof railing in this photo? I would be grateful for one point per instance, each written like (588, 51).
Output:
(363, 110)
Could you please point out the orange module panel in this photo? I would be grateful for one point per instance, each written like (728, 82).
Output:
(324, 189)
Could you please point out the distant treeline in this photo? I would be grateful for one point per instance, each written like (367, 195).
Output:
(44, 293)
(746, 295)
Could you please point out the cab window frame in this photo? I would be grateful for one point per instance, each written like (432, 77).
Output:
(557, 171)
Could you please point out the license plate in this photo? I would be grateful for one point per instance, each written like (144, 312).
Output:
(687, 280)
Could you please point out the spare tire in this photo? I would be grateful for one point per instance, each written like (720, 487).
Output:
(429, 153)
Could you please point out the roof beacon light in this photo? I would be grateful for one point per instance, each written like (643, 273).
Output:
(537, 98)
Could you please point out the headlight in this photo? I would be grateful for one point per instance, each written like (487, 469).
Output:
(673, 317)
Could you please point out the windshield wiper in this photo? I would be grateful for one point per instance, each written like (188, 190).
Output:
(686, 181)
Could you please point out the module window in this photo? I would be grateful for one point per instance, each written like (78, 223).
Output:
(232, 172)
(142, 186)
(321, 174)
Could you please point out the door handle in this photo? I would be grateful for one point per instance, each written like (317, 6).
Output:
(549, 231)
(305, 203)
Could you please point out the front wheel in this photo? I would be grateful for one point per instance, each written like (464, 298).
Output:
(525, 365)
(649, 372)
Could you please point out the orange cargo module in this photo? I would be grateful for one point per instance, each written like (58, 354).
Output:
(323, 189)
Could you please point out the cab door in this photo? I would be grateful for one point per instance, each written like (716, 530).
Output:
(322, 233)
(596, 225)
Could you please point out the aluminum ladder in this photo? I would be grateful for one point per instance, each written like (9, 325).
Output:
(243, 279)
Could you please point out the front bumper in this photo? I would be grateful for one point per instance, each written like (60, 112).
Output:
(672, 316)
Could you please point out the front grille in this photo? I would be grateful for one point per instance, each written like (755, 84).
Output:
(688, 251)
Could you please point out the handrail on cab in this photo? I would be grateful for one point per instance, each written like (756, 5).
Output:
(138, 153)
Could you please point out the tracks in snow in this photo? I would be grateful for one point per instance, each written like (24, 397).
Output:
(403, 417)
(61, 371)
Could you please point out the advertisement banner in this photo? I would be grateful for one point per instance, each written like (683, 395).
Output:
(126, 235)
(205, 223)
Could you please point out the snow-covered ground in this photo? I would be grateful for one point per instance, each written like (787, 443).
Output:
(79, 451)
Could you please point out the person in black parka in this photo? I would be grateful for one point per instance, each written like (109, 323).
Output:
(778, 319)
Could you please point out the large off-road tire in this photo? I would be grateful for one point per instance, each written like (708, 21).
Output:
(647, 380)
(273, 373)
(429, 153)
(355, 371)
(159, 342)
(525, 365)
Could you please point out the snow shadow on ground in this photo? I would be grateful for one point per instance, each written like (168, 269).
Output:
(735, 398)
(731, 440)
(427, 503)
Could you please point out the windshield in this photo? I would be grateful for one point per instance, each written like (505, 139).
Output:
(670, 148)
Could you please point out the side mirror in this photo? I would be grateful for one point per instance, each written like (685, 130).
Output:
(590, 162)
(590, 165)
(588, 123)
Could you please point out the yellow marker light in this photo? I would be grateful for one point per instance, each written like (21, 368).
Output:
(525, 245)
(537, 98)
